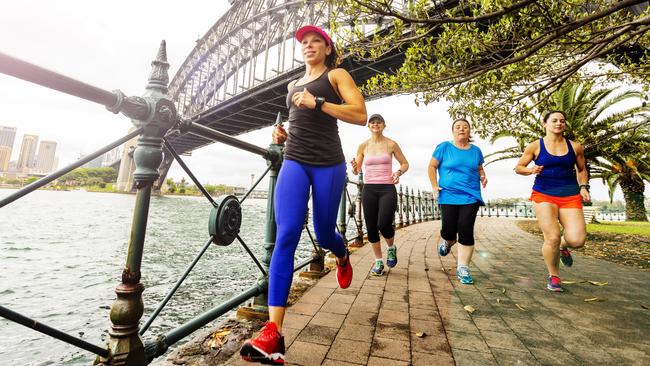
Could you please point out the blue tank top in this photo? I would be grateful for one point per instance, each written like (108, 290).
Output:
(558, 178)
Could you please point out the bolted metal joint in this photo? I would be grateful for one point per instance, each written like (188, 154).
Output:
(225, 220)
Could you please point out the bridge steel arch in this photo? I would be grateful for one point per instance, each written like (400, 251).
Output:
(235, 78)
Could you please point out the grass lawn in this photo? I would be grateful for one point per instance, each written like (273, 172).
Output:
(629, 228)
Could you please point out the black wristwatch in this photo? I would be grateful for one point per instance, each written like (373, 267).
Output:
(585, 186)
(319, 103)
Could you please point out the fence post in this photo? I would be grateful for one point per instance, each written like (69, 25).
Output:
(124, 343)
(419, 206)
(400, 208)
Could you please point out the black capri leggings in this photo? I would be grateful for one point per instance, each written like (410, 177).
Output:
(379, 204)
(459, 220)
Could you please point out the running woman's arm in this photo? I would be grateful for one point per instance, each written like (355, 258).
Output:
(526, 158)
(401, 159)
(433, 177)
(354, 109)
(482, 176)
(581, 170)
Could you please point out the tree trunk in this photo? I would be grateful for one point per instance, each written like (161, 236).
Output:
(633, 189)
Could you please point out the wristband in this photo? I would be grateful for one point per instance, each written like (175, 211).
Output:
(400, 172)
(585, 186)
(319, 103)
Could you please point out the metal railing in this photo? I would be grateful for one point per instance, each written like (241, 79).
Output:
(155, 118)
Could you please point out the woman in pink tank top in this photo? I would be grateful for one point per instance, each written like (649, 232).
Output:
(379, 196)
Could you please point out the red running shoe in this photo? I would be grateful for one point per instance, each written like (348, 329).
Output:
(344, 273)
(267, 348)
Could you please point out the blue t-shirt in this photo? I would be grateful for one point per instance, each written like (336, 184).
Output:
(458, 174)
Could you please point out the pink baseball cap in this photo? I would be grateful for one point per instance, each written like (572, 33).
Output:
(300, 33)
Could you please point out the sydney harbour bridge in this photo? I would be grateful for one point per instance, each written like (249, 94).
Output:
(235, 79)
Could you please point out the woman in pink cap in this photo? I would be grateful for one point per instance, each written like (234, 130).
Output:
(313, 162)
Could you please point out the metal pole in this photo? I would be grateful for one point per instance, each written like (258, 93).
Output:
(55, 333)
(275, 160)
(125, 345)
(171, 293)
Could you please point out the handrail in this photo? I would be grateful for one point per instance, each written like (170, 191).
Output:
(52, 332)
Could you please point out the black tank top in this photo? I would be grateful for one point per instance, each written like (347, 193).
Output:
(314, 135)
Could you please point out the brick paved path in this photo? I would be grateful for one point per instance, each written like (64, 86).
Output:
(377, 320)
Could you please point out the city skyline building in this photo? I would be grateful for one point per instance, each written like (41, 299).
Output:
(27, 155)
(7, 136)
(45, 159)
(5, 157)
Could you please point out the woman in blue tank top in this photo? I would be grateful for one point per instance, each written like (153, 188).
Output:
(559, 164)
(313, 162)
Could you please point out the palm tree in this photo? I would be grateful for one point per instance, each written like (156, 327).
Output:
(598, 119)
(630, 173)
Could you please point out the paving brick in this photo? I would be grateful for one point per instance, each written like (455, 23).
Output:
(393, 316)
(379, 361)
(362, 318)
(392, 331)
(295, 321)
(317, 334)
(328, 320)
(307, 354)
(356, 332)
(430, 359)
(391, 348)
(349, 351)
(304, 308)
(471, 358)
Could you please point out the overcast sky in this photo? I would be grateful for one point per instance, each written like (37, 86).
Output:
(111, 45)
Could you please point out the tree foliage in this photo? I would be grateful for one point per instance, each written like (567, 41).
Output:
(489, 57)
(615, 133)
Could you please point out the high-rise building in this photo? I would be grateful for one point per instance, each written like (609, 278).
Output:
(5, 156)
(45, 159)
(27, 155)
(7, 136)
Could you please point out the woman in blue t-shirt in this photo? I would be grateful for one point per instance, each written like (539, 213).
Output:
(459, 165)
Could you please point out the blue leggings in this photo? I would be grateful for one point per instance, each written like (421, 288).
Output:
(291, 198)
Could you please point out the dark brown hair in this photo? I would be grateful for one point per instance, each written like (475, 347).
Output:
(548, 115)
(468, 124)
(332, 60)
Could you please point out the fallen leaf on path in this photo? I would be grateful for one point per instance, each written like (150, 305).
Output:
(503, 290)
(421, 334)
(498, 301)
(469, 308)
(645, 307)
(596, 283)
(520, 307)
(594, 299)
(569, 282)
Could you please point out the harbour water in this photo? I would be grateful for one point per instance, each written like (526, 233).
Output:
(62, 255)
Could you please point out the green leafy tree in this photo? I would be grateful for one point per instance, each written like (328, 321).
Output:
(489, 57)
(182, 185)
(171, 185)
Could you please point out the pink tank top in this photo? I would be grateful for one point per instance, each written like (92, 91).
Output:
(378, 169)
